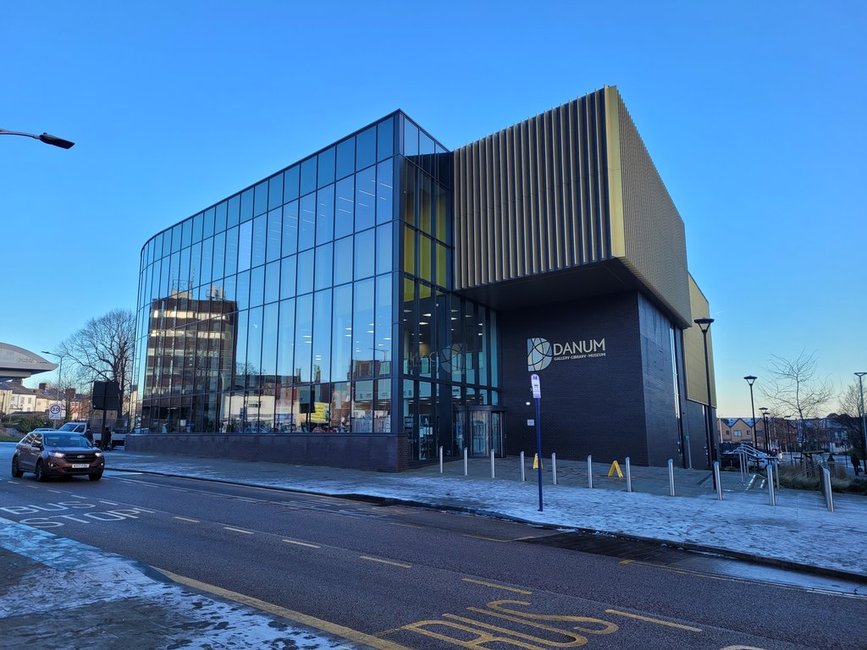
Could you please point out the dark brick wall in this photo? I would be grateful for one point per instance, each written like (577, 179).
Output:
(590, 405)
(379, 453)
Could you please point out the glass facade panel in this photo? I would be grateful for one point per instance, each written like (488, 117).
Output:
(287, 277)
(305, 272)
(274, 236)
(324, 266)
(383, 319)
(245, 245)
(260, 198)
(233, 214)
(345, 207)
(308, 176)
(341, 334)
(385, 191)
(246, 205)
(409, 250)
(231, 266)
(383, 249)
(290, 228)
(365, 148)
(290, 184)
(260, 236)
(362, 407)
(257, 286)
(365, 256)
(363, 330)
(275, 192)
(343, 260)
(303, 337)
(346, 158)
(326, 167)
(307, 226)
(322, 336)
(365, 199)
(325, 214)
(272, 282)
(385, 139)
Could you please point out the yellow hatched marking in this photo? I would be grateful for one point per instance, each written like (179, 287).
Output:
(496, 586)
(648, 619)
(376, 559)
(192, 521)
(292, 541)
(238, 530)
(289, 614)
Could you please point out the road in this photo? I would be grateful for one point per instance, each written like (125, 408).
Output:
(393, 576)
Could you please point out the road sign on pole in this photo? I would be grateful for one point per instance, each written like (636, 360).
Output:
(55, 411)
(536, 386)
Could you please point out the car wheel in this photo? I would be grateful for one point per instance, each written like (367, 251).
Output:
(17, 472)
(95, 477)
(41, 475)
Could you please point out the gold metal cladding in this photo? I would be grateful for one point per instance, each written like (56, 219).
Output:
(615, 185)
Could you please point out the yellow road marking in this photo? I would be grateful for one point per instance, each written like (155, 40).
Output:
(192, 521)
(647, 619)
(292, 541)
(239, 530)
(376, 559)
(496, 586)
(310, 621)
(626, 561)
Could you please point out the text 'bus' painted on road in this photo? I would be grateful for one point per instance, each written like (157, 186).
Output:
(58, 520)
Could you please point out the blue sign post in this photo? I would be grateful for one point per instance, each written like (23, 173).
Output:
(537, 395)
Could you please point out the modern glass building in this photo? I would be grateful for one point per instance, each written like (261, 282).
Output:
(385, 296)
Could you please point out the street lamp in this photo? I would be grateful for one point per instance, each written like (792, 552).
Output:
(764, 410)
(751, 379)
(860, 375)
(59, 374)
(47, 138)
(704, 325)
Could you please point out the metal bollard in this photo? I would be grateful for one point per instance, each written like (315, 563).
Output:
(826, 483)
(554, 466)
(523, 475)
(628, 476)
(772, 495)
(590, 472)
(493, 471)
(717, 481)
(671, 477)
(441, 459)
(742, 462)
(465, 461)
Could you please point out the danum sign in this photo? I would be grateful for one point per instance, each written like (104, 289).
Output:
(541, 352)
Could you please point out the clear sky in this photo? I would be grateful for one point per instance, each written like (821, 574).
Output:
(754, 113)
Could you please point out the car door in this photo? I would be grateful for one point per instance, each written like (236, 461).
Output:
(27, 452)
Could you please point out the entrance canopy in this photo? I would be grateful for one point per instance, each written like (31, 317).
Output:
(18, 363)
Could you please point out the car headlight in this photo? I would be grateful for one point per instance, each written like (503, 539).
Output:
(56, 454)
(98, 454)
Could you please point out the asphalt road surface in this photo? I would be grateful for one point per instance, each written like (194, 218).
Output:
(392, 576)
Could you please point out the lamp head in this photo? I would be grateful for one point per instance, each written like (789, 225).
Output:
(703, 323)
(751, 379)
(860, 374)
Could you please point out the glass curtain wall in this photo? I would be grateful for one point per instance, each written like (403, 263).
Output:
(448, 345)
(271, 311)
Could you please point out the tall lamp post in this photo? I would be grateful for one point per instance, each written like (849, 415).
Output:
(59, 374)
(860, 376)
(47, 138)
(751, 379)
(704, 325)
(764, 410)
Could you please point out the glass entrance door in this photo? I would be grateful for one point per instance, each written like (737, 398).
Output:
(485, 429)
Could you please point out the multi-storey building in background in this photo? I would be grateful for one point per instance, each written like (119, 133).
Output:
(385, 297)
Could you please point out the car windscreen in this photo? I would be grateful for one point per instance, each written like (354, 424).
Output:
(57, 440)
(69, 426)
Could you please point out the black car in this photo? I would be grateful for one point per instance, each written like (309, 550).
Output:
(57, 453)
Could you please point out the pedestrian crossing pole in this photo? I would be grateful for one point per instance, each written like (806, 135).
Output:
(537, 395)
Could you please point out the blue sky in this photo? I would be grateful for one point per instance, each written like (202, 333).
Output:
(753, 113)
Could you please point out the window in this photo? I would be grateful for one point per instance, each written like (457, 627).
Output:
(365, 151)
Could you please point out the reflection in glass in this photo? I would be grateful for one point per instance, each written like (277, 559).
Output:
(385, 191)
(340, 411)
(308, 176)
(326, 167)
(260, 198)
(290, 184)
(245, 245)
(382, 345)
(246, 205)
(257, 286)
(303, 336)
(290, 228)
(385, 139)
(287, 277)
(365, 148)
(362, 330)
(383, 249)
(362, 407)
(275, 191)
(259, 239)
(231, 251)
(305, 272)
(322, 336)
(341, 333)
(286, 342)
(275, 234)
(272, 282)
(346, 157)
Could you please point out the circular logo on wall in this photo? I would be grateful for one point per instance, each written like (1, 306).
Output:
(539, 354)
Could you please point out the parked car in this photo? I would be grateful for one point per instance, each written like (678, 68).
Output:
(118, 436)
(57, 453)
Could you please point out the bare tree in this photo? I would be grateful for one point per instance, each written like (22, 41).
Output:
(795, 389)
(102, 350)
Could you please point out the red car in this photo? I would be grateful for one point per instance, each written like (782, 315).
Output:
(57, 453)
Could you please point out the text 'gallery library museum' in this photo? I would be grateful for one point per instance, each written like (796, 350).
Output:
(386, 297)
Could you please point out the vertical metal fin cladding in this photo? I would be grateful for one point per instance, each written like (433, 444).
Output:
(615, 183)
(532, 198)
